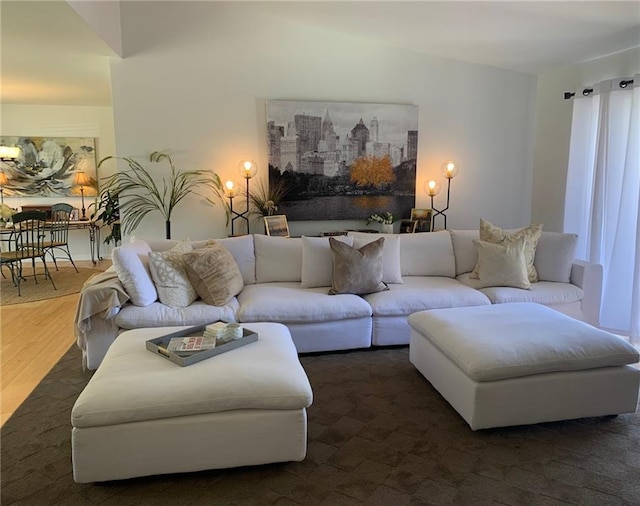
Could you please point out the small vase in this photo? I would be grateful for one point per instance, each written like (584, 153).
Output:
(387, 228)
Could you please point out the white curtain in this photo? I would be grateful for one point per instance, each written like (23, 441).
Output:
(603, 195)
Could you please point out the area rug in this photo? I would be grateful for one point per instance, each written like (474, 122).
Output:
(379, 434)
(66, 279)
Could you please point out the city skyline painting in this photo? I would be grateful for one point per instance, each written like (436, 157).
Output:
(342, 160)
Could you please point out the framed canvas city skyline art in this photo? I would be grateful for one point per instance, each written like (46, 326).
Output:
(47, 166)
(342, 160)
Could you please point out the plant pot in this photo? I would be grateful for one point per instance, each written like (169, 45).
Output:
(387, 228)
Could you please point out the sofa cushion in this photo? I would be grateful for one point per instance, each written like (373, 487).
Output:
(465, 252)
(391, 270)
(531, 234)
(357, 270)
(516, 340)
(424, 292)
(427, 254)
(214, 274)
(170, 276)
(287, 302)
(240, 247)
(554, 256)
(317, 264)
(502, 264)
(131, 262)
(159, 315)
(542, 292)
(278, 258)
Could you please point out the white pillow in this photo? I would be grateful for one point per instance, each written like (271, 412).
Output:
(502, 264)
(391, 270)
(554, 256)
(427, 254)
(463, 249)
(278, 258)
(169, 274)
(317, 264)
(131, 262)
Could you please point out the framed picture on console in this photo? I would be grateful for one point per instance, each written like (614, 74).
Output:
(276, 225)
(423, 217)
(408, 226)
(75, 214)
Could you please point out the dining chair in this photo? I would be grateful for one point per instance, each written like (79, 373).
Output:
(59, 232)
(26, 244)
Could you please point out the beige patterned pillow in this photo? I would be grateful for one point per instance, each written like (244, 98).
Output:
(495, 235)
(214, 274)
(357, 271)
(170, 277)
(502, 264)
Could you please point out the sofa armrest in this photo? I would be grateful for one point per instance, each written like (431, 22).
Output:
(100, 300)
(588, 276)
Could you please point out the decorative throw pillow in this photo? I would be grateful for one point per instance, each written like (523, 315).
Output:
(214, 274)
(531, 234)
(170, 276)
(357, 271)
(316, 260)
(502, 264)
(131, 262)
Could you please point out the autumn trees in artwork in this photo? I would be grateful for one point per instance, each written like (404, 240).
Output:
(372, 171)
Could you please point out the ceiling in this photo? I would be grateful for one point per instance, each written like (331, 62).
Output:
(50, 56)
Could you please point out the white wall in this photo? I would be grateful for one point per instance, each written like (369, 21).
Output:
(198, 74)
(553, 129)
(63, 121)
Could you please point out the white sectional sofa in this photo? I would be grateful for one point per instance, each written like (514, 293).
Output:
(423, 271)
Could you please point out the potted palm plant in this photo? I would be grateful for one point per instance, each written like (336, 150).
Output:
(139, 195)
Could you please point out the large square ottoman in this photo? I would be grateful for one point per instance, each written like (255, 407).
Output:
(141, 414)
(523, 363)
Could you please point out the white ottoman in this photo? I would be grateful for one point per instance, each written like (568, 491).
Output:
(515, 364)
(143, 415)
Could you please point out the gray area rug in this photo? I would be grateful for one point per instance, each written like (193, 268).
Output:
(379, 434)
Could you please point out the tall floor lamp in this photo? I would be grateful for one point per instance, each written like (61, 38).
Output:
(449, 171)
(82, 180)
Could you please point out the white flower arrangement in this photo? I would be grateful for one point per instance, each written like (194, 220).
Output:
(384, 218)
(6, 212)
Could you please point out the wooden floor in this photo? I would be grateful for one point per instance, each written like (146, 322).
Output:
(33, 337)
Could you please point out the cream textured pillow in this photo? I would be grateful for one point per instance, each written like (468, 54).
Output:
(502, 264)
(531, 235)
(170, 276)
(214, 274)
(357, 271)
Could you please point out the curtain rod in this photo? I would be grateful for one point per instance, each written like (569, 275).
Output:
(588, 91)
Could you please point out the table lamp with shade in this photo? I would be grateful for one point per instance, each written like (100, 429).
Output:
(81, 180)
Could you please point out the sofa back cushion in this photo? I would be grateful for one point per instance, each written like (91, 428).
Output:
(241, 248)
(554, 256)
(131, 262)
(391, 269)
(464, 250)
(317, 264)
(427, 254)
(278, 258)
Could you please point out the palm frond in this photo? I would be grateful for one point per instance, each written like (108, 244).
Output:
(141, 195)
